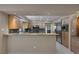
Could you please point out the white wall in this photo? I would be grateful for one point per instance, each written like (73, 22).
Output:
(3, 27)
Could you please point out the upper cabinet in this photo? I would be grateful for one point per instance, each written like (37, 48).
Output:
(16, 22)
(12, 23)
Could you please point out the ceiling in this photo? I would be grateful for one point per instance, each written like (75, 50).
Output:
(39, 9)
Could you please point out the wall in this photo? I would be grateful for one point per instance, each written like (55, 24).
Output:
(3, 27)
(73, 25)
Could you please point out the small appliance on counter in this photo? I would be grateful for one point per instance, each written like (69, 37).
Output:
(36, 29)
(28, 30)
(13, 30)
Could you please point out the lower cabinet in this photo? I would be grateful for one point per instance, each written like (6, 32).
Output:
(75, 44)
(65, 39)
(32, 44)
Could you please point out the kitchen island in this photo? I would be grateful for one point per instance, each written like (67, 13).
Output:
(29, 43)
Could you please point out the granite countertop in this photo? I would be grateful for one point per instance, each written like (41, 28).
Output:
(30, 34)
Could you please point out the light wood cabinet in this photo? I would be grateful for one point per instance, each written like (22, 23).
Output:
(75, 38)
(12, 22)
(77, 26)
(65, 39)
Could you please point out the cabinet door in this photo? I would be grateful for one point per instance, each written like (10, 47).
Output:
(77, 26)
(12, 23)
(65, 39)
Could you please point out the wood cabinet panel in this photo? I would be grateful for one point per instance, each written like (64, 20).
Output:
(77, 26)
(75, 38)
(65, 39)
(12, 24)
(75, 44)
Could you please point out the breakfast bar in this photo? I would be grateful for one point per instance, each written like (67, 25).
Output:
(30, 43)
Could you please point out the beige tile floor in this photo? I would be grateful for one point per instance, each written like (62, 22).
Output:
(60, 49)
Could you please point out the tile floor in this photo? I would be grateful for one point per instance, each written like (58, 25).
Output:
(60, 49)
